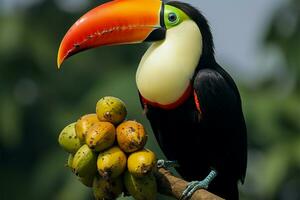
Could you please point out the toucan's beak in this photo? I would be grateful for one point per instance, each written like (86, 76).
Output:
(115, 22)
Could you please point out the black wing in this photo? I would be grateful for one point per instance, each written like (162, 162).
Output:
(222, 115)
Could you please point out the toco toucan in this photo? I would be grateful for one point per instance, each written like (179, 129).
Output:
(193, 104)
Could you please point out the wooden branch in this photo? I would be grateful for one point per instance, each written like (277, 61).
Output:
(173, 186)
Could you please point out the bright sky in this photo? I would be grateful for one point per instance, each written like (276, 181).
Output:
(237, 26)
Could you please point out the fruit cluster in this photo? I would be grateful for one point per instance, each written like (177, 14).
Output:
(108, 154)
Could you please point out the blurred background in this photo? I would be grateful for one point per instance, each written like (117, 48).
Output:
(258, 42)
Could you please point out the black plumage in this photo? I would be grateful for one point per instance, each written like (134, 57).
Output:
(215, 140)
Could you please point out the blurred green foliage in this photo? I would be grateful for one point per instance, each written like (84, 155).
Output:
(37, 101)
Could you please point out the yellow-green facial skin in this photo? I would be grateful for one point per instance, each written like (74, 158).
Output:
(173, 16)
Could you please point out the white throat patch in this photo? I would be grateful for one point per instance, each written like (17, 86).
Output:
(167, 67)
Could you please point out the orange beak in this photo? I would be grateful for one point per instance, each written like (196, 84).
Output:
(112, 23)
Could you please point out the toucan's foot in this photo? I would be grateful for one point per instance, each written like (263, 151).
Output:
(167, 164)
(193, 187)
(196, 185)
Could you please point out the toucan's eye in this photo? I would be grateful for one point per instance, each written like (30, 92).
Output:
(172, 17)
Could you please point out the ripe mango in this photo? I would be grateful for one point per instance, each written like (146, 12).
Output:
(84, 162)
(141, 163)
(104, 189)
(101, 136)
(111, 109)
(111, 163)
(141, 188)
(68, 139)
(83, 125)
(131, 136)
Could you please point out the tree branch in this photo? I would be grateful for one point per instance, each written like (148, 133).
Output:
(172, 186)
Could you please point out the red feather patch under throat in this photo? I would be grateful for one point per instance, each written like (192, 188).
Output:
(197, 102)
(174, 105)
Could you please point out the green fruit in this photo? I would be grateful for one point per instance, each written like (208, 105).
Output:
(107, 189)
(84, 162)
(111, 163)
(70, 161)
(68, 139)
(87, 180)
(111, 109)
(144, 188)
(101, 136)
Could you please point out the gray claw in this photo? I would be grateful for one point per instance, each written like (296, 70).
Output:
(167, 164)
(196, 185)
(192, 187)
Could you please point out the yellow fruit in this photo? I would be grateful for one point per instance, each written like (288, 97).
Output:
(107, 189)
(101, 136)
(84, 123)
(68, 139)
(111, 109)
(131, 136)
(87, 180)
(111, 163)
(70, 161)
(84, 162)
(141, 163)
(141, 188)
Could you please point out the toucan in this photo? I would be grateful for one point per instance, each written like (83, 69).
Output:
(192, 103)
